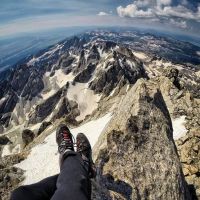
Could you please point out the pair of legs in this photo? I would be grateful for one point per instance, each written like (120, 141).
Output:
(73, 182)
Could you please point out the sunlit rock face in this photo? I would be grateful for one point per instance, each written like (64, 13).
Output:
(137, 157)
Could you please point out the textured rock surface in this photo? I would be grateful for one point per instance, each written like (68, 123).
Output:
(184, 101)
(117, 70)
(189, 152)
(44, 109)
(43, 126)
(136, 155)
(85, 75)
(27, 137)
(10, 176)
(66, 109)
(4, 140)
(110, 64)
(9, 179)
(25, 82)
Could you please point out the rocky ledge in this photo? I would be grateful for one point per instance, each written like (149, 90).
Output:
(10, 176)
(136, 155)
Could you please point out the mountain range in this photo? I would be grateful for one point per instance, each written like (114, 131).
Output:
(127, 73)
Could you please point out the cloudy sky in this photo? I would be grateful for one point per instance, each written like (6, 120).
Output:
(19, 16)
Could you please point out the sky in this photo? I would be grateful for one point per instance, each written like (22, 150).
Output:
(25, 16)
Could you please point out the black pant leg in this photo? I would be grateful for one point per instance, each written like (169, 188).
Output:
(73, 182)
(42, 190)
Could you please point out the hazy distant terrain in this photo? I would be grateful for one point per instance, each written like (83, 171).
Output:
(13, 49)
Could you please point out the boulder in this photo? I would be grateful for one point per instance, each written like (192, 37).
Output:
(136, 155)
(4, 140)
(173, 74)
(27, 136)
(43, 126)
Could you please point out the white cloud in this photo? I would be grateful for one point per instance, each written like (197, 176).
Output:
(133, 11)
(143, 3)
(178, 11)
(160, 10)
(41, 23)
(180, 23)
(164, 2)
(103, 14)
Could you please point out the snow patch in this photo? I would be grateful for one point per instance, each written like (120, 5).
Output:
(127, 88)
(47, 54)
(6, 150)
(52, 84)
(43, 159)
(86, 55)
(86, 99)
(62, 78)
(140, 55)
(35, 126)
(130, 63)
(2, 100)
(179, 127)
(46, 95)
(101, 53)
(112, 93)
(33, 61)
(198, 73)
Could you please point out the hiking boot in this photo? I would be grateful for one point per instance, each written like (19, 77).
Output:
(64, 139)
(85, 150)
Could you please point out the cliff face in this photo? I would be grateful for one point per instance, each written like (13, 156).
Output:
(136, 155)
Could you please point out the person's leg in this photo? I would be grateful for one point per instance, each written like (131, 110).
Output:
(42, 190)
(73, 182)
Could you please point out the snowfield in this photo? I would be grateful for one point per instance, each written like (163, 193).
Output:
(43, 159)
(140, 55)
(179, 127)
(85, 97)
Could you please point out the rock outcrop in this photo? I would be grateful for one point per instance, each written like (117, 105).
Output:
(43, 127)
(66, 108)
(4, 140)
(116, 69)
(45, 109)
(189, 145)
(136, 155)
(27, 137)
(189, 152)
(10, 176)
(182, 101)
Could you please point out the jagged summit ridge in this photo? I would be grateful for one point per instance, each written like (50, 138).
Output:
(100, 65)
(136, 154)
(83, 78)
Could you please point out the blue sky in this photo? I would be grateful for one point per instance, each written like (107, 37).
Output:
(22, 16)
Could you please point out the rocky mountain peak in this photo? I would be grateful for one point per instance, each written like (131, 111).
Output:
(136, 154)
(133, 75)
